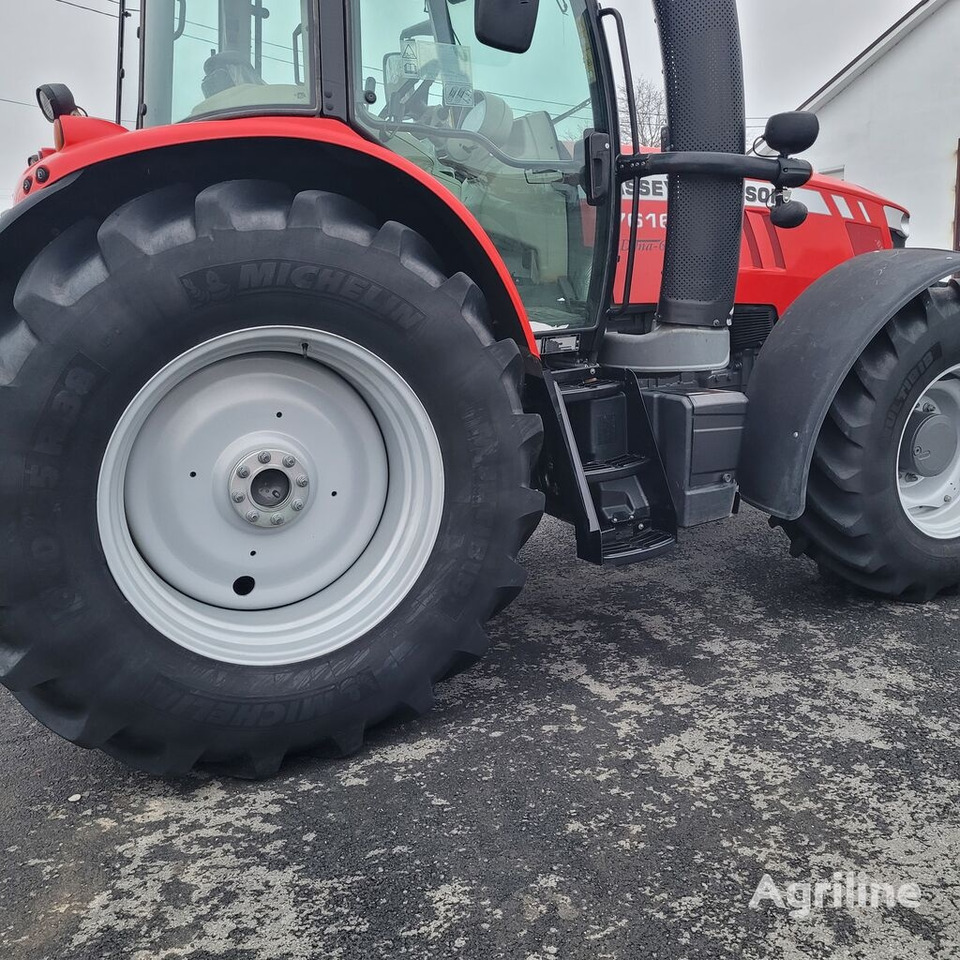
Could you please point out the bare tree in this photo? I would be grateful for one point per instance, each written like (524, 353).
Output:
(651, 112)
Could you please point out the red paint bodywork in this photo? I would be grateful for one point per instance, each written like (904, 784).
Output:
(89, 141)
(776, 266)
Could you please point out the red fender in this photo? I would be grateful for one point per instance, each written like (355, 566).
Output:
(87, 141)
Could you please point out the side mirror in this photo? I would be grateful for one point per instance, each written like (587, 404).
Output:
(507, 24)
(393, 76)
(789, 215)
(792, 133)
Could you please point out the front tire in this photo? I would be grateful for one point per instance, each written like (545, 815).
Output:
(869, 517)
(195, 353)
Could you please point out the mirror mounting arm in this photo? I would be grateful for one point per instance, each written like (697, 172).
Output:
(781, 172)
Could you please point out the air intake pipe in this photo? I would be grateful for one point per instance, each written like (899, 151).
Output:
(703, 70)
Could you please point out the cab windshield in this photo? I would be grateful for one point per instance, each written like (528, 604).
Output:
(504, 132)
(226, 56)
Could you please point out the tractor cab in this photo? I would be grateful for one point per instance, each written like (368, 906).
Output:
(502, 131)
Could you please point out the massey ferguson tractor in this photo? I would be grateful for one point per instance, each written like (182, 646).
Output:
(290, 373)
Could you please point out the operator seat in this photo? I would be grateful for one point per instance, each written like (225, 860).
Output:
(225, 70)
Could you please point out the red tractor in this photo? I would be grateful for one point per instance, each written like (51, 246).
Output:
(276, 422)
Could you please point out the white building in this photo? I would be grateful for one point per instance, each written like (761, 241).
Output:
(891, 120)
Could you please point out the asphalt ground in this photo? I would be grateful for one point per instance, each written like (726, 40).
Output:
(640, 748)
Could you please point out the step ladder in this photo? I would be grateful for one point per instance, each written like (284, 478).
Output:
(611, 485)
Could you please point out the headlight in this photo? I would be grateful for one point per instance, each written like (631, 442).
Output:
(897, 220)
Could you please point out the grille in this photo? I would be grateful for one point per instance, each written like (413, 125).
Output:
(751, 327)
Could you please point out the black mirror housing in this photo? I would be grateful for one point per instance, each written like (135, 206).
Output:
(507, 24)
(789, 215)
(792, 133)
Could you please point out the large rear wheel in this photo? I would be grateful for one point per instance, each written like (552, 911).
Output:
(268, 477)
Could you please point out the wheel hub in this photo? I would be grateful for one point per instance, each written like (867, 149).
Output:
(270, 488)
(929, 445)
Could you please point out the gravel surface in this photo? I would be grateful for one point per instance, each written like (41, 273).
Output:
(639, 749)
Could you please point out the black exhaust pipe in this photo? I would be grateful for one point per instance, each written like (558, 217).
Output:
(703, 70)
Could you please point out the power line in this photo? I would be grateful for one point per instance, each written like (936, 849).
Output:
(21, 103)
(80, 6)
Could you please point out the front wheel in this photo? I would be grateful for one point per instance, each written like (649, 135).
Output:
(883, 501)
(266, 479)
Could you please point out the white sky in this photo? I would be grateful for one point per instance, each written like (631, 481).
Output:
(790, 49)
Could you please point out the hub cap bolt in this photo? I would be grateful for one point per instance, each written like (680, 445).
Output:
(277, 520)
(264, 457)
(253, 517)
(297, 505)
(238, 497)
(289, 462)
(303, 481)
(243, 473)
(948, 499)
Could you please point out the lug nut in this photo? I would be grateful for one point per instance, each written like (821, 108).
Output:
(303, 481)
(289, 462)
(277, 520)
(297, 505)
(264, 457)
(238, 497)
(243, 473)
(253, 517)
(929, 408)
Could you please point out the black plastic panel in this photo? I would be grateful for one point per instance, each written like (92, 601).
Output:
(699, 433)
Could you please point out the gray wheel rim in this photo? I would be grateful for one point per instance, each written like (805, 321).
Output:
(932, 502)
(270, 496)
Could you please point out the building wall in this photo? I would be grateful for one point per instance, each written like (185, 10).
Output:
(895, 129)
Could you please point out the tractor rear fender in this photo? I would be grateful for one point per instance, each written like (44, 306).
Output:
(93, 179)
(808, 356)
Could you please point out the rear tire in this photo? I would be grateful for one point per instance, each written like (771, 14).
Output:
(99, 314)
(856, 525)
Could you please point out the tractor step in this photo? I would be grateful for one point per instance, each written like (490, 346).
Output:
(635, 544)
(590, 390)
(605, 475)
(616, 469)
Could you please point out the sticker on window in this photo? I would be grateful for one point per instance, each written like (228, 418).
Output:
(457, 95)
(450, 63)
(410, 60)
